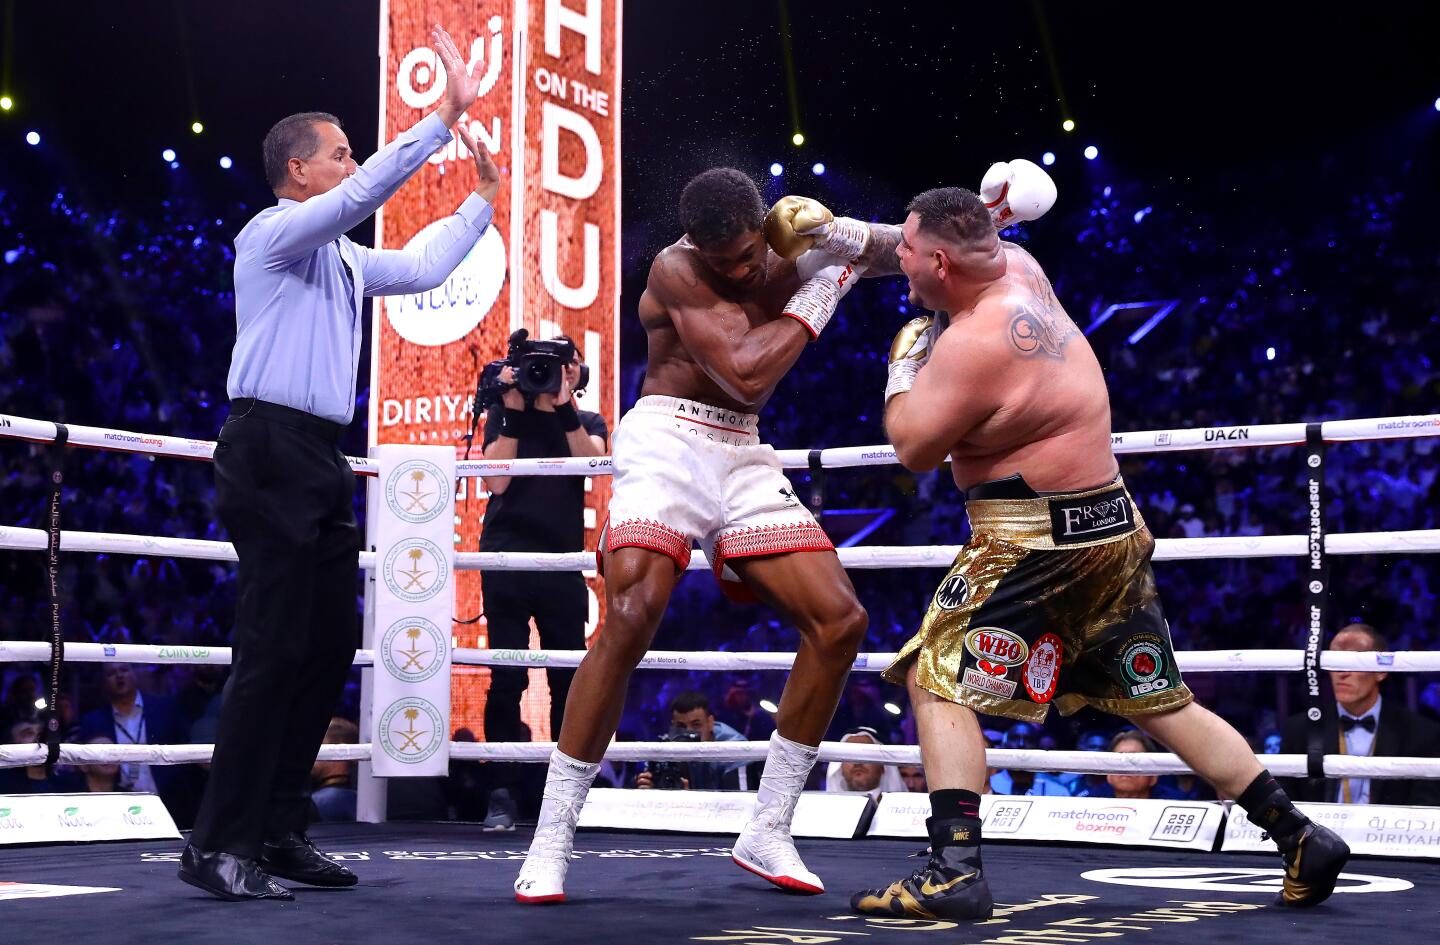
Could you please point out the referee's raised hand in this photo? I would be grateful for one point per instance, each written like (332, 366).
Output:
(461, 85)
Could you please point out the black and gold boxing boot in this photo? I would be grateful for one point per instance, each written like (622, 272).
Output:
(951, 885)
(1313, 855)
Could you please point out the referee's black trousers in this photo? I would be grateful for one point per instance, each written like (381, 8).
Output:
(284, 492)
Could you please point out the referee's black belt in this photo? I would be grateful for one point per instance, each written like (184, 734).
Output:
(329, 430)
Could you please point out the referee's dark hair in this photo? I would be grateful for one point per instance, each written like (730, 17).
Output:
(293, 136)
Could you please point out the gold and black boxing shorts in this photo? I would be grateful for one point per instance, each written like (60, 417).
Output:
(1052, 600)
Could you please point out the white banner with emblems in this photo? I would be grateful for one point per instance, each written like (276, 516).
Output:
(414, 605)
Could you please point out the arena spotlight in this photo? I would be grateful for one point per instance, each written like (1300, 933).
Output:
(1047, 158)
(1091, 153)
(32, 138)
(817, 168)
(769, 706)
(196, 127)
(168, 155)
(892, 708)
(1437, 104)
(797, 139)
(41, 704)
(777, 169)
(1068, 124)
(1269, 354)
(7, 103)
(226, 163)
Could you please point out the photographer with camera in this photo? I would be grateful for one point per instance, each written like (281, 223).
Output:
(692, 721)
(529, 403)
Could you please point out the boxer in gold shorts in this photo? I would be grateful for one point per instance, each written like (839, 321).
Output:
(1052, 600)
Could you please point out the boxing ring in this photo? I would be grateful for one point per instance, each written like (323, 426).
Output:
(425, 880)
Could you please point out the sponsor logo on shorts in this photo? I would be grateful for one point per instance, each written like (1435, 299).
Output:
(1144, 664)
(1091, 518)
(953, 593)
(1042, 669)
(982, 681)
(996, 647)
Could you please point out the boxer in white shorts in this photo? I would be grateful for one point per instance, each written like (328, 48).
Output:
(690, 472)
(727, 310)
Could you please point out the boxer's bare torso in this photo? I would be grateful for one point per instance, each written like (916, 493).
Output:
(682, 289)
(1048, 410)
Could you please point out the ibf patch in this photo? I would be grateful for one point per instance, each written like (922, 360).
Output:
(1108, 514)
(953, 593)
(1042, 669)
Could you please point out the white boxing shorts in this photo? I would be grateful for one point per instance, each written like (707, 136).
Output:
(687, 472)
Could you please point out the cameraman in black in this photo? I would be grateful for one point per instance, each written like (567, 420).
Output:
(535, 417)
(692, 721)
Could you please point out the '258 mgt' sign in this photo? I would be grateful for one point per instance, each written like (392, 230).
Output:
(414, 605)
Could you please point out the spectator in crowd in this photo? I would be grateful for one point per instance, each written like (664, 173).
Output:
(1128, 785)
(1023, 735)
(1360, 721)
(741, 712)
(863, 777)
(332, 783)
(100, 779)
(33, 779)
(914, 778)
(691, 718)
(130, 717)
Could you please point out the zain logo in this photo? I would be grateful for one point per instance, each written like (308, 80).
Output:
(417, 491)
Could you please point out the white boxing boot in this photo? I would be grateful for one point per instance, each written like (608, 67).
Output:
(542, 877)
(765, 847)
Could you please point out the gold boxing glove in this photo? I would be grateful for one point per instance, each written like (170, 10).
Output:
(796, 224)
(908, 354)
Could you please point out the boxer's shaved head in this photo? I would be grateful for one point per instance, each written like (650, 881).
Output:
(719, 205)
(953, 214)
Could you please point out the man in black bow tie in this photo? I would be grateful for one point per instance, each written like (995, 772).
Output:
(1362, 722)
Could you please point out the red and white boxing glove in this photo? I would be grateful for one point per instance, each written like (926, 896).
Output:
(825, 280)
(1016, 192)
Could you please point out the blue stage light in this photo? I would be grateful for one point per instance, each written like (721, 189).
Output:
(1047, 158)
(777, 169)
(817, 169)
(226, 163)
(1091, 153)
(168, 155)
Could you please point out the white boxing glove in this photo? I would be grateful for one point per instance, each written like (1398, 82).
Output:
(1016, 192)
(825, 280)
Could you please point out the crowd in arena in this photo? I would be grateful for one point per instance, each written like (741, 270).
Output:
(124, 320)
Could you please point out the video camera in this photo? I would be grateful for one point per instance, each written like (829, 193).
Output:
(539, 368)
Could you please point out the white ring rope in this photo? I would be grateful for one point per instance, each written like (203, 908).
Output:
(1190, 661)
(1425, 540)
(1083, 762)
(1144, 441)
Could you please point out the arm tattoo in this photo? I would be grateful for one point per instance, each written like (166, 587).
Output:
(879, 258)
(1039, 325)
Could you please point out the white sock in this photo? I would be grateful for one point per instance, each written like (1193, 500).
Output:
(787, 768)
(566, 783)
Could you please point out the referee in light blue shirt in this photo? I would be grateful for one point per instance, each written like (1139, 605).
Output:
(284, 489)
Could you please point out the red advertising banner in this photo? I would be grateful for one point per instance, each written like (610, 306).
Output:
(549, 113)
